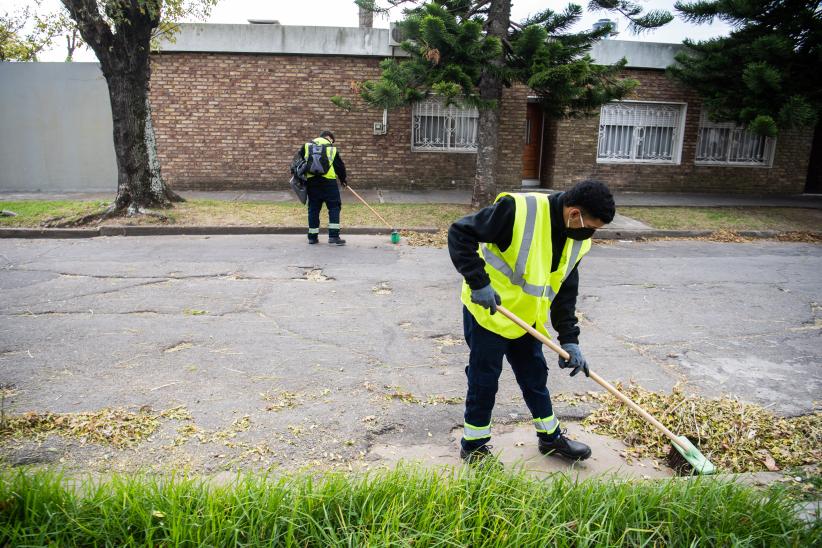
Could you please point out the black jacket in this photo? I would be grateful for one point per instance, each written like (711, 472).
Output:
(339, 166)
(495, 224)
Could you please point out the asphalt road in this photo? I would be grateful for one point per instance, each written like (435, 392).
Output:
(331, 352)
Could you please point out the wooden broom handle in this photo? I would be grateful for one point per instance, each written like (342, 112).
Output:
(369, 207)
(602, 382)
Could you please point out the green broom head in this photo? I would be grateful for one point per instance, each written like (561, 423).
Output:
(395, 237)
(693, 456)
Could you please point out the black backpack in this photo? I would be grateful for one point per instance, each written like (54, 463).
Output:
(318, 163)
(299, 166)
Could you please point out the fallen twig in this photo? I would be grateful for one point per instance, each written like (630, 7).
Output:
(165, 385)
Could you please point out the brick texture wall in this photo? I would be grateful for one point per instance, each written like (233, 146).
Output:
(234, 121)
(571, 145)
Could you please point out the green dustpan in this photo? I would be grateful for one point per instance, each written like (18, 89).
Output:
(693, 456)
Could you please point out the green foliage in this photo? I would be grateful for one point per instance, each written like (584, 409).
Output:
(449, 50)
(403, 507)
(26, 32)
(342, 103)
(765, 74)
(638, 22)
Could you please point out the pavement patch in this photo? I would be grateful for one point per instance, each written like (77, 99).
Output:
(312, 274)
(516, 447)
(382, 288)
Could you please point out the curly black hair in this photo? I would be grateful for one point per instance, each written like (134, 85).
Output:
(594, 197)
(325, 134)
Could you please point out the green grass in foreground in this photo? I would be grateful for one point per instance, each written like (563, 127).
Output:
(403, 507)
(727, 218)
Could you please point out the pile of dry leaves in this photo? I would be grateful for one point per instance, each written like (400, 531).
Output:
(113, 426)
(735, 436)
(426, 239)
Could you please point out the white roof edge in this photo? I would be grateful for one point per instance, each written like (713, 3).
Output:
(279, 39)
(368, 42)
(649, 55)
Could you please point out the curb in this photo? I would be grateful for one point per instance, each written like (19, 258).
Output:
(148, 230)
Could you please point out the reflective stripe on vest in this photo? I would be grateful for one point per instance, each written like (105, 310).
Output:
(330, 151)
(522, 273)
(535, 290)
(471, 432)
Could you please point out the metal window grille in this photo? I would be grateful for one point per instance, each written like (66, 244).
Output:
(640, 132)
(726, 143)
(436, 127)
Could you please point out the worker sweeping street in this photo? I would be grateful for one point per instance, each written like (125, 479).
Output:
(523, 251)
(323, 166)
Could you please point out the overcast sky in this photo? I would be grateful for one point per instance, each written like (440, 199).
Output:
(343, 13)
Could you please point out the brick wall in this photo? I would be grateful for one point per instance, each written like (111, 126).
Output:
(571, 145)
(234, 121)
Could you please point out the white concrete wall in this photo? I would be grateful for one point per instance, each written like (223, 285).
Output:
(654, 55)
(301, 40)
(204, 37)
(55, 128)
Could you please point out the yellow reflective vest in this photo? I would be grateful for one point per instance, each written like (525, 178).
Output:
(522, 273)
(330, 151)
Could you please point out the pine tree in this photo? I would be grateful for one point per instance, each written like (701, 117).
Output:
(466, 51)
(766, 73)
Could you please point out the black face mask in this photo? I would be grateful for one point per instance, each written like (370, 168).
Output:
(579, 234)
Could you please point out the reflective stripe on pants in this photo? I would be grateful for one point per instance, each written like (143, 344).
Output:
(548, 425)
(471, 432)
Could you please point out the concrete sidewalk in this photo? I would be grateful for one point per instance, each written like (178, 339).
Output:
(623, 199)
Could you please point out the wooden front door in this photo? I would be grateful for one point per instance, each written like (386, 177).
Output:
(531, 149)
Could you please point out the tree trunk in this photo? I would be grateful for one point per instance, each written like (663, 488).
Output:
(122, 46)
(366, 18)
(139, 182)
(490, 89)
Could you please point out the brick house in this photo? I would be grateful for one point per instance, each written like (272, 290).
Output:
(232, 103)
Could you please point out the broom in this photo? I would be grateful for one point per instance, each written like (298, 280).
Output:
(684, 455)
(395, 235)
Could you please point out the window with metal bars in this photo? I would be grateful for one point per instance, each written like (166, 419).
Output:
(727, 143)
(436, 127)
(634, 132)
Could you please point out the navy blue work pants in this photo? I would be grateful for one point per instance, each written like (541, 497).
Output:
(485, 366)
(323, 191)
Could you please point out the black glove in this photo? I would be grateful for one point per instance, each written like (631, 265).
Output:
(486, 297)
(577, 360)
(344, 184)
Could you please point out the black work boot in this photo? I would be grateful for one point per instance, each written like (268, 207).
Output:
(480, 456)
(336, 240)
(564, 447)
(313, 241)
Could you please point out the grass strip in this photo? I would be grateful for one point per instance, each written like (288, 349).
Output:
(32, 213)
(727, 218)
(407, 506)
(223, 213)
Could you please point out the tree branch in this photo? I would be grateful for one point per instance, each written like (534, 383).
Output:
(93, 28)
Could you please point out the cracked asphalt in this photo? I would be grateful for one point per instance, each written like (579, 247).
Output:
(330, 352)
